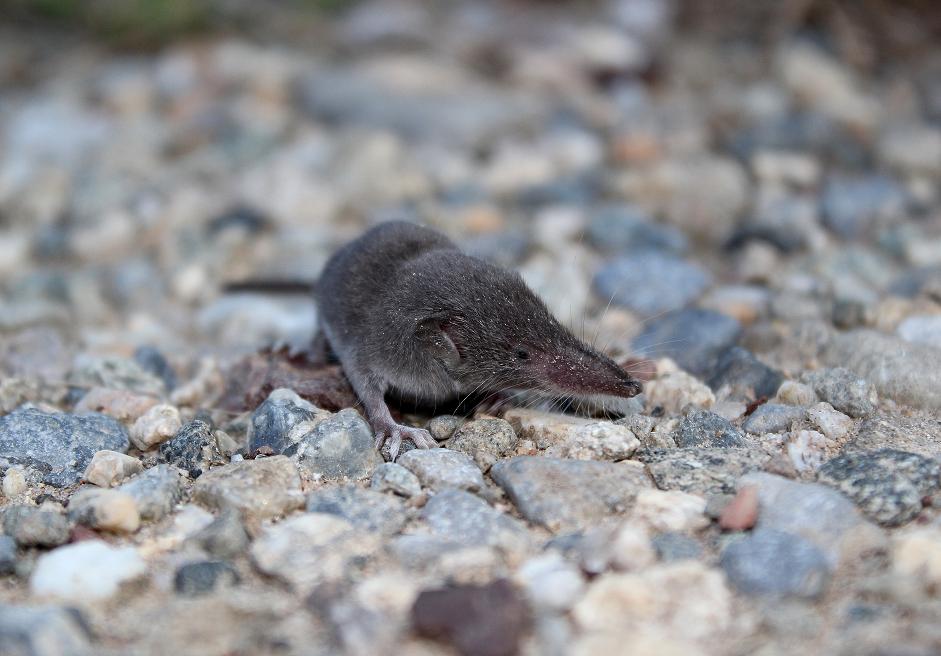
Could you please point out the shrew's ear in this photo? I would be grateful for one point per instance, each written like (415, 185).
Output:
(436, 334)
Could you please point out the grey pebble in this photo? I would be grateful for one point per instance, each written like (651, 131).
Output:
(393, 477)
(365, 509)
(650, 282)
(484, 440)
(57, 444)
(225, 536)
(157, 490)
(271, 422)
(7, 555)
(744, 375)
(340, 447)
(701, 428)
(772, 418)
(673, 546)
(888, 485)
(844, 390)
(468, 520)
(569, 494)
(43, 631)
(33, 527)
(439, 469)
(692, 337)
(776, 563)
(193, 449)
(701, 471)
(204, 577)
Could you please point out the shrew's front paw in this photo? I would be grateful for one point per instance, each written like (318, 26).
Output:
(393, 434)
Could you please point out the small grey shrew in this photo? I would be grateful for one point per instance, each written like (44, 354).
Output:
(407, 313)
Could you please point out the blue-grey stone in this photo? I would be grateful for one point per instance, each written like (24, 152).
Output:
(745, 375)
(651, 282)
(468, 520)
(43, 631)
(57, 444)
(701, 428)
(340, 447)
(273, 420)
(193, 449)
(365, 509)
(887, 485)
(30, 526)
(851, 206)
(693, 338)
(7, 555)
(772, 418)
(204, 577)
(672, 546)
(156, 490)
(626, 228)
(769, 562)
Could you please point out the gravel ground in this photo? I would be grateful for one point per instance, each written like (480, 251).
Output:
(757, 230)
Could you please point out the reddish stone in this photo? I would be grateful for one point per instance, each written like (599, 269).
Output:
(487, 620)
(742, 512)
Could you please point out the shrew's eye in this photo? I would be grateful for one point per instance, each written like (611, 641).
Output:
(522, 354)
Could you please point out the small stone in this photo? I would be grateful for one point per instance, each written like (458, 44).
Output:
(153, 361)
(440, 469)
(796, 394)
(204, 577)
(488, 620)
(310, 549)
(685, 599)
(551, 583)
(623, 228)
(365, 509)
(905, 372)
(672, 546)
(921, 330)
(259, 489)
(921, 435)
(844, 391)
(281, 421)
(159, 423)
(832, 423)
(693, 338)
(43, 631)
(776, 563)
(772, 418)
(670, 510)
(156, 491)
(673, 389)
(14, 482)
(887, 485)
(224, 537)
(32, 527)
(701, 428)
(744, 376)
(127, 407)
(7, 556)
(853, 207)
(193, 449)
(701, 471)
(58, 444)
(88, 570)
(484, 440)
(108, 468)
(813, 511)
(917, 553)
(569, 494)
(601, 440)
(340, 447)
(393, 477)
(468, 520)
(104, 510)
(650, 283)
(625, 547)
(741, 513)
(442, 427)
(808, 449)
(115, 373)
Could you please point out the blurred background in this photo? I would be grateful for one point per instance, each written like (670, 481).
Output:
(775, 161)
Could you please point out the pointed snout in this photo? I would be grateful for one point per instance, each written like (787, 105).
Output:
(592, 373)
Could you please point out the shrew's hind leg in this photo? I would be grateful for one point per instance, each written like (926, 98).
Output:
(371, 392)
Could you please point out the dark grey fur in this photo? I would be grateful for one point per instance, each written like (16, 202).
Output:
(406, 312)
